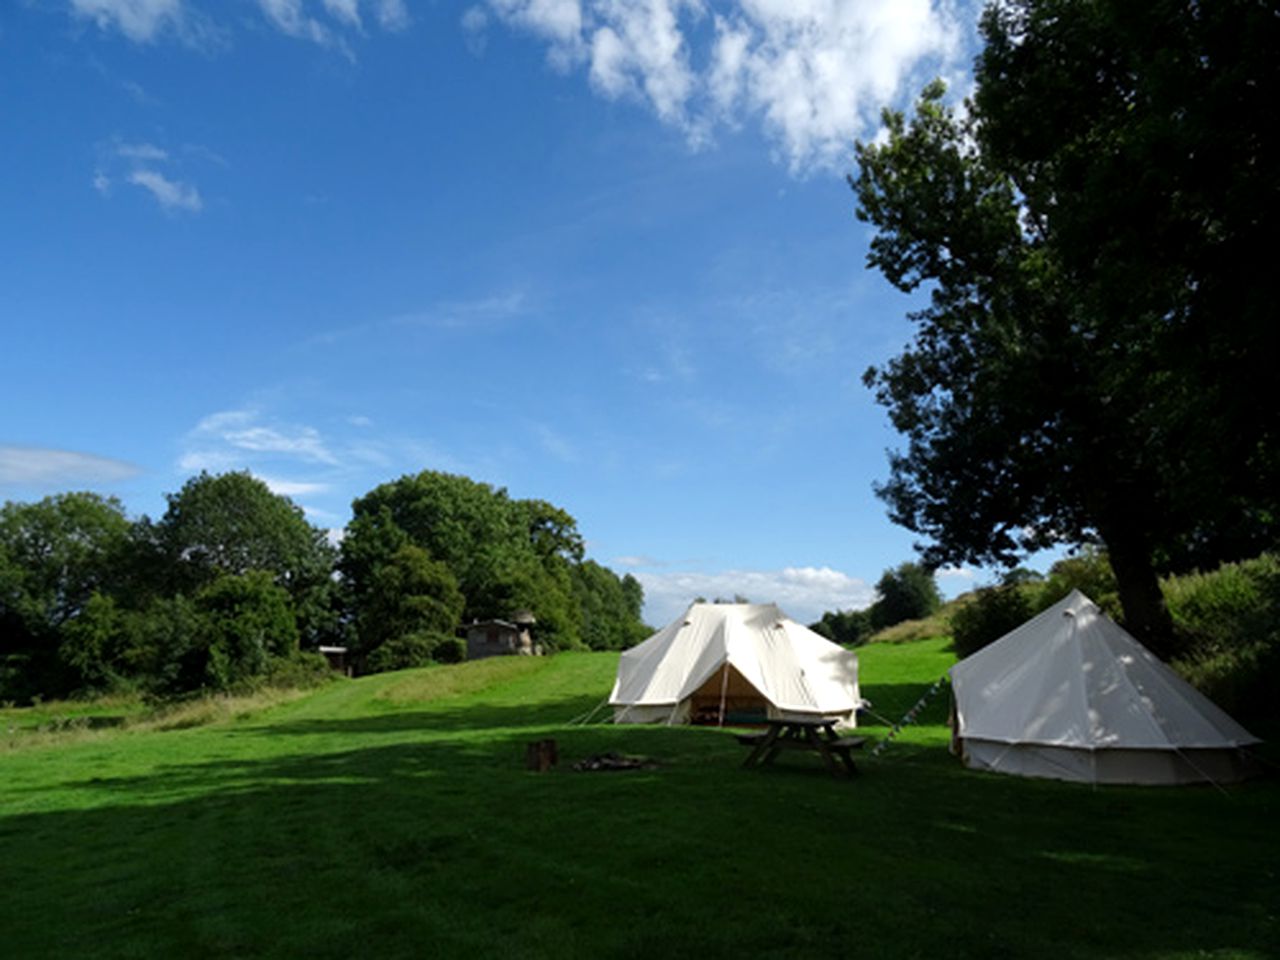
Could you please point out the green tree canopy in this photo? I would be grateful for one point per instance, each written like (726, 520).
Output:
(907, 592)
(505, 554)
(55, 556)
(1091, 365)
(847, 627)
(610, 607)
(409, 593)
(231, 524)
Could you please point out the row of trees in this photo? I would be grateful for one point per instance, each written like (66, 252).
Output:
(1095, 362)
(232, 584)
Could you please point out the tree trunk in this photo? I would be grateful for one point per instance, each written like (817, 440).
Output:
(1145, 614)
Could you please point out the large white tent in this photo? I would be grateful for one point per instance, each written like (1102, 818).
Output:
(1071, 696)
(735, 662)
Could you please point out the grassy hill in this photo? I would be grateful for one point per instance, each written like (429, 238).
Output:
(391, 816)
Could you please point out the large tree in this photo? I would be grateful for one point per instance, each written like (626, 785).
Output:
(505, 554)
(55, 555)
(1093, 362)
(231, 524)
(905, 592)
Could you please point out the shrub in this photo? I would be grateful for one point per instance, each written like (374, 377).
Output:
(1089, 572)
(1228, 626)
(992, 613)
(847, 627)
(299, 671)
(450, 650)
(411, 650)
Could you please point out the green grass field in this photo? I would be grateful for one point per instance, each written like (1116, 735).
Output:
(392, 817)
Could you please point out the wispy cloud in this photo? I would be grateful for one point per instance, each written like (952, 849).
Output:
(146, 152)
(467, 313)
(804, 593)
(324, 22)
(292, 488)
(139, 20)
(555, 443)
(814, 74)
(146, 166)
(42, 467)
(234, 438)
(172, 195)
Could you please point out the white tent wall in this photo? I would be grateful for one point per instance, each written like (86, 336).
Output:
(1142, 767)
(795, 671)
(1070, 695)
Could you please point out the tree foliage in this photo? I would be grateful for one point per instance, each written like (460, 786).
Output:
(232, 523)
(505, 555)
(846, 627)
(55, 556)
(610, 607)
(408, 594)
(1092, 364)
(232, 584)
(907, 592)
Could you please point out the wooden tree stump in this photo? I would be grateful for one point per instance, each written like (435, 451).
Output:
(541, 755)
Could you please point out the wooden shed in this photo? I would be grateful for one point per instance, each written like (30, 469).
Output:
(498, 638)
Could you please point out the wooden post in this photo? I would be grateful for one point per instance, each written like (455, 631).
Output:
(541, 755)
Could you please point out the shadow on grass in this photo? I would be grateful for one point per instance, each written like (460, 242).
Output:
(447, 846)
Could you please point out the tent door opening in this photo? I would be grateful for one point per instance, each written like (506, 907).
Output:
(743, 704)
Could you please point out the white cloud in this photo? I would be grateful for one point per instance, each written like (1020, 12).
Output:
(139, 20)
(145, 21)
(467, 313)
(147, 152)
(555, 444)
(804, 593)
(292, 488)
(289, 18)
(348, 11)
(170, 194)
(233, 437)
(392, 14)
(814, 72)
(637, 561)
(101, 183)
(302, 442)
(44, 467)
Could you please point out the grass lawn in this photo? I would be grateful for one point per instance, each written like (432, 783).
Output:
(392, 817)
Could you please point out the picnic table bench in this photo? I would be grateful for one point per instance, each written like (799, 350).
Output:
(817, 736)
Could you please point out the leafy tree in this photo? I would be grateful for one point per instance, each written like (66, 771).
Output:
(988, 616)
(96, 645)
(907, 592)
(55, 555)
(1087, 571)
(1092, 366)
(249, 622)
(505, 554)
(847, 627)
(168, 646)
(610, 608)
(408, 594)
(232, 524)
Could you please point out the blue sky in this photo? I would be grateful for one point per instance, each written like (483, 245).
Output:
(599, 252)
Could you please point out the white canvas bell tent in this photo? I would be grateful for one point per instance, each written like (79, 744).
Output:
(735, 663)
(1070, 695)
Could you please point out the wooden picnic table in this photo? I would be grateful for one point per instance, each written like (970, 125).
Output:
(817, 735)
